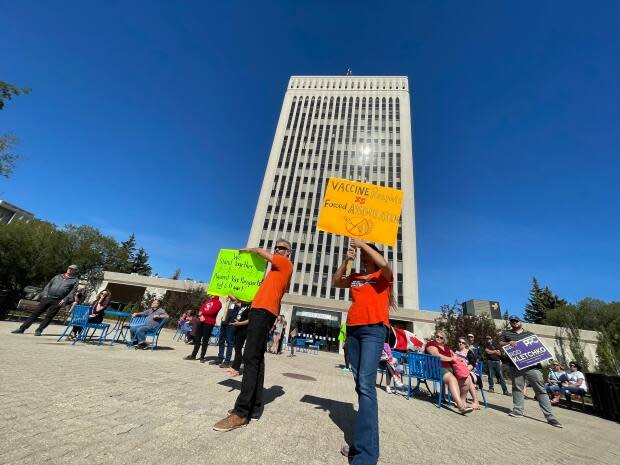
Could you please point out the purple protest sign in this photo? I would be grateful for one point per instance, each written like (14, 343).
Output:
(527, 352)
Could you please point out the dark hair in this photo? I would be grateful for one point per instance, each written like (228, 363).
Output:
(576, 365)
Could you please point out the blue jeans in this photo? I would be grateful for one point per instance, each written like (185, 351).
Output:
(138, 333)
(364, 346)
(227, 339)
(495, 369)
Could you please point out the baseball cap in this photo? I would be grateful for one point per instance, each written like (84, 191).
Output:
(470, 335)
(514, 317)
(489, 337)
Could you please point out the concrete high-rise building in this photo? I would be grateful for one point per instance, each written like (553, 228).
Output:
(352, 127)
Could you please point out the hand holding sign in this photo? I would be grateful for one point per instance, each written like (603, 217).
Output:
(237, 273)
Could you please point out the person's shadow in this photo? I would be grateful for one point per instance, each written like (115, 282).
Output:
(341, 413)
(269, 394)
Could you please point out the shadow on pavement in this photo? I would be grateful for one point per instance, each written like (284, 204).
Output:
(269, 394)
(341, 413)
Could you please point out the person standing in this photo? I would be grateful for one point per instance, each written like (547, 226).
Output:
(241, 334)
(342, 337)
(227, 335)
(367, 323)
(56, 294)
(265, 309)
(494, 365)
(533, 375)
(206, 321)
(282, 335)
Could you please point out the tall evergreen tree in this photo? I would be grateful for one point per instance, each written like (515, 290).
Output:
(534, 310)
(123, 262)
(140, 263)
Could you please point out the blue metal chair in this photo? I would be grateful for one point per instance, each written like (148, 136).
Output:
(79, 317)
(401, 366)
(425, 367)
(182, 330)
(103, 327)
(300, 345)
(313, 346)
(479, 370)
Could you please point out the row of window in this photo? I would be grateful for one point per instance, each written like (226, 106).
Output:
(348, 83)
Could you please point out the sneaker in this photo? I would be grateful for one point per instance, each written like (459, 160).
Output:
(190, 357)
(142, 345)
(464, 410)
(388, 389)
(554, 422)
(515, 415)
(215, 362)
(225, 365)
(491, 389)
(229, 423)
(507, 393)
(17, 331)
(203, 360)
(398, 383)
(345, 450)
(37, 333)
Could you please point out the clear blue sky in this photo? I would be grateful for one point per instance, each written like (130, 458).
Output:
(157, 118)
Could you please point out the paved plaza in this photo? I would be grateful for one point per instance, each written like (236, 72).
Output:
(85, 404)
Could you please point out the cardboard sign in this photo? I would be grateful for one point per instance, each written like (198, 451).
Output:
(361, 210)
(238, 274)
(528, 352)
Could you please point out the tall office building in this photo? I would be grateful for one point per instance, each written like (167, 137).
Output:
(352, 127)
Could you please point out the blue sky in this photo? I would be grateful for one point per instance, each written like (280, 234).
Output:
(157, 118)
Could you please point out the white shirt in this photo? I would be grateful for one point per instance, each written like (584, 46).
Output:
(574, 376)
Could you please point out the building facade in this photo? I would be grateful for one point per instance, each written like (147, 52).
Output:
(10, 213)
(477, 307)
(352, 127)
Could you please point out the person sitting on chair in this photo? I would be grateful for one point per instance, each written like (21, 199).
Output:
(389, 363)
(153, 315)
(554, 381)
(574, 382)
(96, 313)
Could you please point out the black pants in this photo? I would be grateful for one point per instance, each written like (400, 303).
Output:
(98, 318)
(47, 303)
(203, 334)
(241, 334)
(346, 357)
(250, 398)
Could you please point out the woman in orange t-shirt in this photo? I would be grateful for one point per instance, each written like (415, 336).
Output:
(367, 322)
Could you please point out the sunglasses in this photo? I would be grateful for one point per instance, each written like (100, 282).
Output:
(514, 321)
(439, 337)
(281, 247)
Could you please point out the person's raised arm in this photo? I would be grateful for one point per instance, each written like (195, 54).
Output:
(260, 252)
(338, 279)
(376, 257)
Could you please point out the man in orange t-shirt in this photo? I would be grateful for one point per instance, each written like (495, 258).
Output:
(265, 309)
(367, 323)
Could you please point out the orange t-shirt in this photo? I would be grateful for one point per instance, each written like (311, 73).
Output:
(371, 299)
(274, 285)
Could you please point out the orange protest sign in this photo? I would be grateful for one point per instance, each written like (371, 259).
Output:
(361, 210)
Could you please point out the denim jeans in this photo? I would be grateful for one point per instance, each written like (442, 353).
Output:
(364, 346)
(495, 369)
(138, 333)
(227, 339)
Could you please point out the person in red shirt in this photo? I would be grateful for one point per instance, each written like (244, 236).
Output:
(367, 323)
(262, 315)
(206, 321)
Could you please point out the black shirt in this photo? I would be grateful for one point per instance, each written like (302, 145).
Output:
(492, 357)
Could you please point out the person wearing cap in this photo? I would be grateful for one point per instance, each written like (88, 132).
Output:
(477, 351)
(56, 294)
(533, 375)
(494, 365)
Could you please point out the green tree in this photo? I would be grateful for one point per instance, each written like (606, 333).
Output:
(455, 324)
(8, 142)
(176, 303)
(140, 263)
(123, 261)
(534, 311)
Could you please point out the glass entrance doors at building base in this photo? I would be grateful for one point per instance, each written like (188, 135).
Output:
(319, 327)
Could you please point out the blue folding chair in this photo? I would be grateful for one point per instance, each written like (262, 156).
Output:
(425, 367)
(300, 345)
(182, 330)
(79, 317)
(479, 370)
(313, 346)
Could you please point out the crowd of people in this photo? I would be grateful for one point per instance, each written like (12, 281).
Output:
(247, 328)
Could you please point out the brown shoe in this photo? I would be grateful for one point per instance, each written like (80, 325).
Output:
(229, 423)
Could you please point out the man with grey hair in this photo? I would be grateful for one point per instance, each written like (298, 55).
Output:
(57, 293)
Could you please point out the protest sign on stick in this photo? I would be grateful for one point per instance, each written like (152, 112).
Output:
(528, 352)
(238, 274)
(361, 210)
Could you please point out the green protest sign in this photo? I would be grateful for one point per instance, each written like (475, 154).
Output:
(238, 274)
